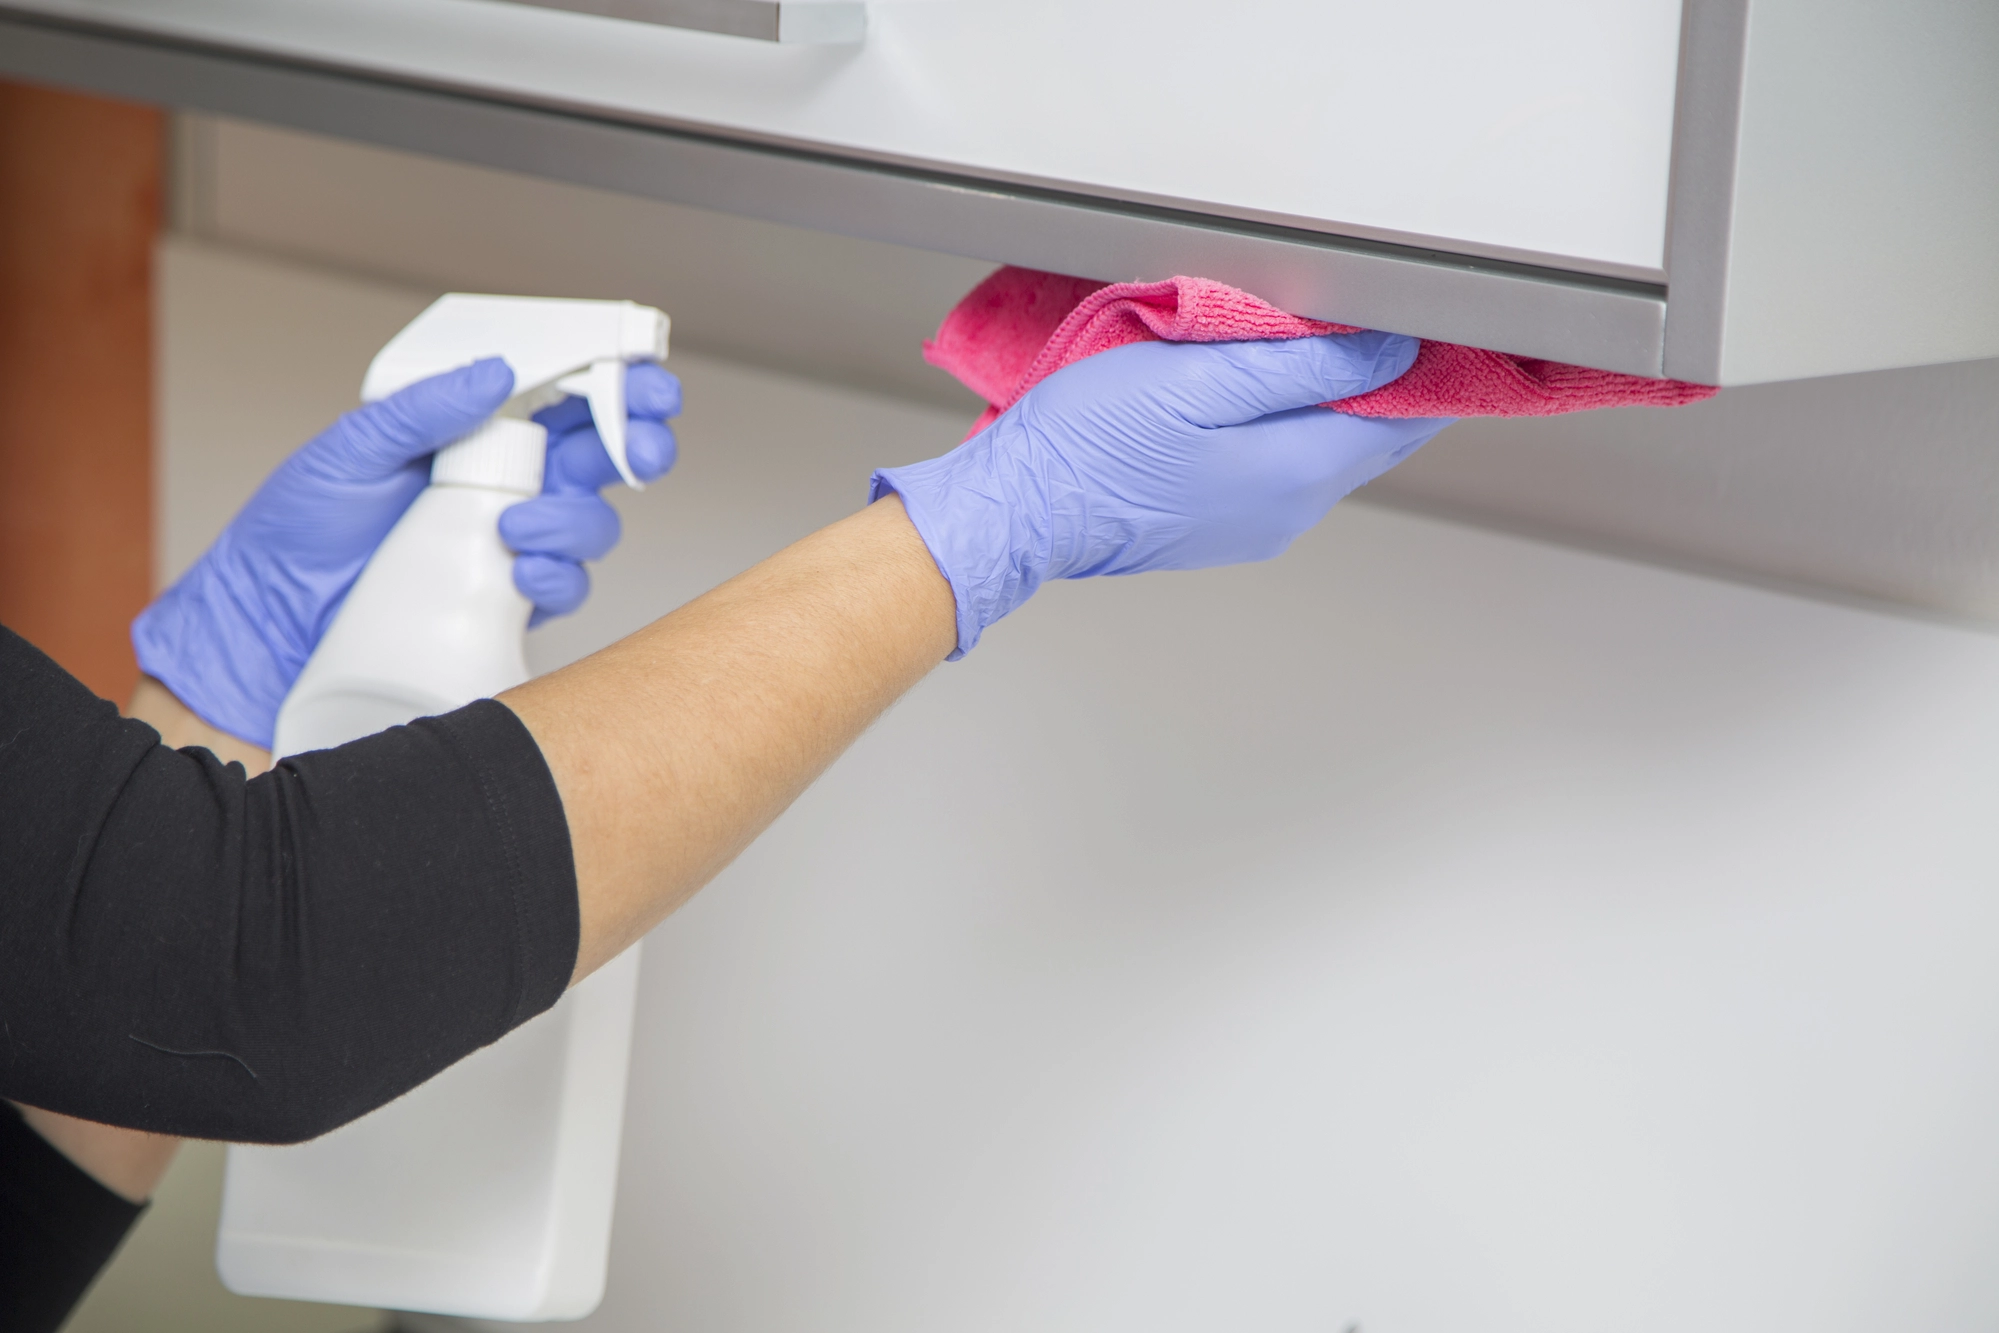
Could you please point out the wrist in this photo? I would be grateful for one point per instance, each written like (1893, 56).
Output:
(985, 521)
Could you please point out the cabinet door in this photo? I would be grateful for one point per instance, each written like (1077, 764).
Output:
(1532, 130)
(1539, 130)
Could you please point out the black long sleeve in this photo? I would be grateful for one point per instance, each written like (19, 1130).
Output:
(58, 1227)
(191, 952)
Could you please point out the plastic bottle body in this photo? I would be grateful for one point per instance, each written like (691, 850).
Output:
(488, 1190)
(433, 623)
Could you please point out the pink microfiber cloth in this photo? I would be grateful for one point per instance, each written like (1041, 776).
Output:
(1020, 326)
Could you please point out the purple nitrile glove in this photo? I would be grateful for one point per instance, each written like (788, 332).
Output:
(1155, 456)
(569, 522)
(232, 634)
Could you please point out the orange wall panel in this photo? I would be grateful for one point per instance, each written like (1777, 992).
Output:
(81, 182)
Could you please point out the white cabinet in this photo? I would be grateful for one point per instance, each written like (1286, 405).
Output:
(1746, 190)
(1546, 141)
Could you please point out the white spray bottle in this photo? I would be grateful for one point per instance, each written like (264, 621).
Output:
(488, 1190)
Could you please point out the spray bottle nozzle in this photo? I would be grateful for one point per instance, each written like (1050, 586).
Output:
(603, 387)
(580, 347)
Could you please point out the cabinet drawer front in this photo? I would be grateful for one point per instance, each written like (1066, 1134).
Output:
(1539, 132)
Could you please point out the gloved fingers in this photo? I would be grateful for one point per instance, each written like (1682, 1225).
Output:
(1289, 468)
(1227, 384)
(1394, 439)
(651, 392)
(578, 461)
(567, 526)
(1311, 445)
(651, 448)
(561, 417)
(1416, 432)
(382, 438)
(1389, 442)
(555, 586)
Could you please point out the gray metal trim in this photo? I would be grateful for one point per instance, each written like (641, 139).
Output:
(826, 22)
(1707, 117)
(1609, 323)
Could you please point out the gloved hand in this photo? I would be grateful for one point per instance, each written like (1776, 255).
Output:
(569, 522)
(1155, 456)
(232, 634)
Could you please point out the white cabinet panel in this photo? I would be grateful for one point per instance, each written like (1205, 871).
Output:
(1520, 131)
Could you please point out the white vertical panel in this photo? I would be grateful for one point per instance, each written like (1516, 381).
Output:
(1867, 189)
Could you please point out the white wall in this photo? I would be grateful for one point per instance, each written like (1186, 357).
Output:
(1429, 930)
(1882, 486)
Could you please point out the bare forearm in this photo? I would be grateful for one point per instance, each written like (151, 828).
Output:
(130, 1162)
(675, 747)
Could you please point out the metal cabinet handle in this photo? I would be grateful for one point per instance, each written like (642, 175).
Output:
(821, 22)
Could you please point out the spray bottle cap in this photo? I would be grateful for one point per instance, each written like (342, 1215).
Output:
(579, 347)
(502, 454)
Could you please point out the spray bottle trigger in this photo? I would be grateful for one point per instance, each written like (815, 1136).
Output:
(603, 385)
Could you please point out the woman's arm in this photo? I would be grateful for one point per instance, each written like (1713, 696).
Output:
(670, 752)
